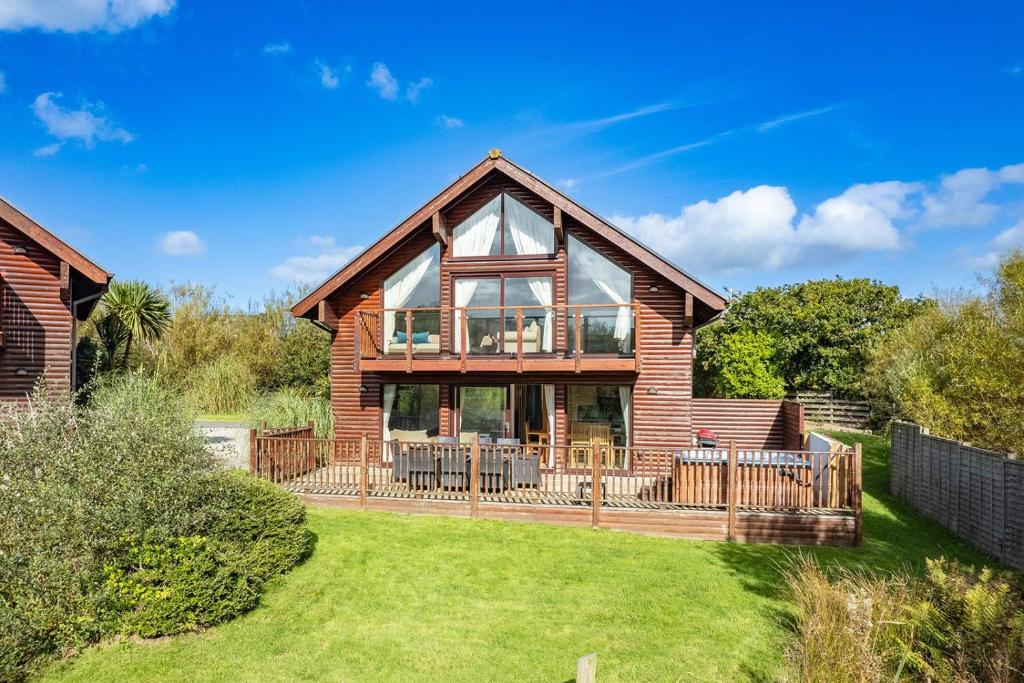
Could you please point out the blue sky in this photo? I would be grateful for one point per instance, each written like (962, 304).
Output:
(247, 145)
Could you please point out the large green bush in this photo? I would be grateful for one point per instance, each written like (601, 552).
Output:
(740, 364)
(958, 369)
(954, 623)
(115, 521)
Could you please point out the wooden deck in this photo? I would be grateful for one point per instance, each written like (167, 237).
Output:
(794, 497)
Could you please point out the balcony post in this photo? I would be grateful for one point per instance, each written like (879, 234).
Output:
(636, 335)
(733, 467)
(595, 488)
(408, 340)
(364, 447)
(474, 476)
(578, 333)
(464, 338)
(519, 339)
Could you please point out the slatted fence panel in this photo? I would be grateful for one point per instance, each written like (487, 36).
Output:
(978, 494)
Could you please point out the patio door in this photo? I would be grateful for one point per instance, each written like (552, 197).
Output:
(483, 410)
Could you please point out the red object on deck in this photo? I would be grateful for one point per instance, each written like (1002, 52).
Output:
(706, 437)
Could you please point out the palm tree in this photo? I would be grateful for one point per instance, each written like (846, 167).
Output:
(139, 310)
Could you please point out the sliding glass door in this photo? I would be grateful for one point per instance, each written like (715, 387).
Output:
(482, 411)
(490, 306)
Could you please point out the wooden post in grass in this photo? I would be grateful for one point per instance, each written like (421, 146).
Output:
(595, 483)
(474, 476)
(364, 446)
(731, 489)
(586, 668)
(858, 485)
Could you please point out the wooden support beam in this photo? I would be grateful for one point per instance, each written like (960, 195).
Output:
(327, 316)
(408, 339)
(440, 229)
(688, 308)
(519, 340)
(65, 281)
(559, 230)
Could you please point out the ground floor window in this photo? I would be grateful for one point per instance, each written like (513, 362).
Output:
(600, 413)
(411, 411)
(482, 411)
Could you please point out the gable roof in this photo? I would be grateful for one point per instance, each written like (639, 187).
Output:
(496, 162)
(51, 243)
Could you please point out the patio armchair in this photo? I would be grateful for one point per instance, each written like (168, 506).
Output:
(524, 469)
(452, 464)
(494, 466)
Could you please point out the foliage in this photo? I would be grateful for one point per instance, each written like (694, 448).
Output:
(958, 369)
(292, 408)
(823, 330)
(740, 364)
(129, 310)
(953, 624)
(93, 495)
(224, 385)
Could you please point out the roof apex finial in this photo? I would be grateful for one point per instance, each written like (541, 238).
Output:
(494, 153)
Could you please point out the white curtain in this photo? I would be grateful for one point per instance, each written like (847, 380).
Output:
(475, 235)
(541, 288)
(389, 401)
(531, 234)
(549, 406)
(464, 288)
(626, 405)
(400, 287)
(614, 283)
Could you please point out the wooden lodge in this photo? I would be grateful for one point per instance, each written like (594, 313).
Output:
(502, 331)
(47, 288)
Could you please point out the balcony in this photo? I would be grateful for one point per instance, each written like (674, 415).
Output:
(559, 338)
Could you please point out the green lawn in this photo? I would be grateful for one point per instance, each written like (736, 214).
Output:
(402, 598)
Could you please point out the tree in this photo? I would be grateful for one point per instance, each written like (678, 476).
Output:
(823, 330)
(958, 368)
(740, 365)
(131, 310)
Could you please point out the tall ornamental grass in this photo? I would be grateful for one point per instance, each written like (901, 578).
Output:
(293, 408)
(224, 385)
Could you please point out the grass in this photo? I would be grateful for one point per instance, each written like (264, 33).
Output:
(393, 597)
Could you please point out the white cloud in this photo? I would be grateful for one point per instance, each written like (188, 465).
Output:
(567, 183)
(182, 243)
(316, 268)
(383, 82)
(960, 199)
(757, 229)
(328, 76)
(788, 118)
(414, 90)
(1007, 240)
(87, 124)
(80, 15)
(48, 150)
(324, 241)
(449, 122)
(284, 47)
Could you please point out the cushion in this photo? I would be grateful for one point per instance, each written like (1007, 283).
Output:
(420, 337)
(409, 435)
(400, 337)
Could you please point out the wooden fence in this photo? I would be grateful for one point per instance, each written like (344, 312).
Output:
(744, 494)
(760, 424)
(822, 407)
(975, 493)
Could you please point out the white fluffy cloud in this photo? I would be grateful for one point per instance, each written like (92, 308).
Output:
(182, 243)
(757, 229)
(961, 197)
(315, 268)
(328, 76)
(449, 122)
(1011, 238)
(80, 15)
(87, 124)
(414, 90)
(284, 47)
(383, 82)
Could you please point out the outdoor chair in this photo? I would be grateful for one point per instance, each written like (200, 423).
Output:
(452, 463)
(524, 470)
(422, 468)
(494, 467)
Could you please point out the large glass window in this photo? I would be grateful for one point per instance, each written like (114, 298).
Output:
(594, 279)
(506, 226)
(416, 285)
(482, 412)
(602, 414)
(411, 412)
(490, 308)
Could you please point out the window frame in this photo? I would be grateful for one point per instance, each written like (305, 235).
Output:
(502, 255)
(398, 385)
(501, 277)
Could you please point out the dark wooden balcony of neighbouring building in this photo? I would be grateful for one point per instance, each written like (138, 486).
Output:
(559, 338)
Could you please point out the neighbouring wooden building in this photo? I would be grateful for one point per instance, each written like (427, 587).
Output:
(503, 308)
(47, 286)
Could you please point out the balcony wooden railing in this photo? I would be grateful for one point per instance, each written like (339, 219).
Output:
(564, 331)
(658, 480)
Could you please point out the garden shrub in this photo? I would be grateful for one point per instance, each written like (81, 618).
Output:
(954, 623)
(224, 385)
(116, 521)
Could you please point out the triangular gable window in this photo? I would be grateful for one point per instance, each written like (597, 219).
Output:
(503, 226)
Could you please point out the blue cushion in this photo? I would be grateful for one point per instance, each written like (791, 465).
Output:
(420, 337)
(400, 337)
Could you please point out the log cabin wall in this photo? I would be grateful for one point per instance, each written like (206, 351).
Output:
(35, 318)
(662, 390)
